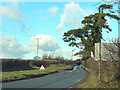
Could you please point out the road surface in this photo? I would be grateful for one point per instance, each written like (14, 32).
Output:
(65, 79)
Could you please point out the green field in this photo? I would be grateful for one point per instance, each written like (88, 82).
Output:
(26, 74)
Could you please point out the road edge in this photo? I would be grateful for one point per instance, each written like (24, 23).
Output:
(81, 81)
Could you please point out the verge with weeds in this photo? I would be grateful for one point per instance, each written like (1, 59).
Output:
(109, 74)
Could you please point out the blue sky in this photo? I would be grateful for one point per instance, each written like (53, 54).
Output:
(23, 21)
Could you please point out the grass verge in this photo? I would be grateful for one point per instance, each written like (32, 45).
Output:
(26, 74)
(91, 82)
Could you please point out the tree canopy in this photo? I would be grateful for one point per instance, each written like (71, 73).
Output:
(91, 32)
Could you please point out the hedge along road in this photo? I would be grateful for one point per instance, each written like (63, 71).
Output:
(65, 79)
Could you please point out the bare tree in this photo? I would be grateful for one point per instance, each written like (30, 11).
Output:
(45, 56)
(113, 48)
(111, 53)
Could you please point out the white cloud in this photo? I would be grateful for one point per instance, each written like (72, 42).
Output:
(72, 16)
(67, 54)
(14, 3)
(47, 45)
(58, 52)
(14, 14)
(64, 52)
(45, 13)
(11, 13)
(53, 11)
(46, 42)
(12, 48)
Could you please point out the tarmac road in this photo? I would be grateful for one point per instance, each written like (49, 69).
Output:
(65, 79)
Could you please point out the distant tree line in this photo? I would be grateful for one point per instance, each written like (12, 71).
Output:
(52, 57)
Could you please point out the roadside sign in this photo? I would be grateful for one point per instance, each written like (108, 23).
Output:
(42, 67)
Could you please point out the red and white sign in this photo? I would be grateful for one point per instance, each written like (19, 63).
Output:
(42, 67)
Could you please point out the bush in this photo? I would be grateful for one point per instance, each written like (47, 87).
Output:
(109, 69)
(15, 65)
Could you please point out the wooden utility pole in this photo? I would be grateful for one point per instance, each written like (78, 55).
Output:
(72, 53)
(37, 44)
(99, 61)
(119, 31)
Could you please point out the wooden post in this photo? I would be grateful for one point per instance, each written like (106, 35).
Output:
(37, 46)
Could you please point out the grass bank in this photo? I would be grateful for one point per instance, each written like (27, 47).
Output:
(26, 74)
(91, 82)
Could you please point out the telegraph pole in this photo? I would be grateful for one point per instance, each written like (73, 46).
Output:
(99, 76)
(72, 53)
(72, 35)
(99, 61)
(37, 44)
(119, 31)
